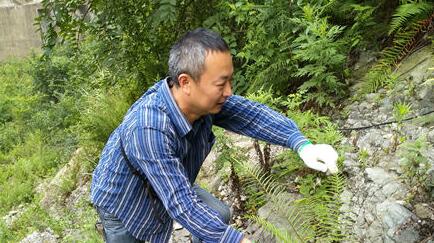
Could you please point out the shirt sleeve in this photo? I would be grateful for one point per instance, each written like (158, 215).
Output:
(256, 120)
(153, 152)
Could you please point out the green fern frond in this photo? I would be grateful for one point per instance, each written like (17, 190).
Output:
(256, 176)
(312, 218)
(403, 44)
(332, 228)
(404, 13)
(281, 235)
(299, 221)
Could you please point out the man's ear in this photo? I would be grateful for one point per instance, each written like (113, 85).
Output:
(185, 81)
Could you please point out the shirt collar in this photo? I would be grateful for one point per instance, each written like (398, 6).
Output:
(179, 120)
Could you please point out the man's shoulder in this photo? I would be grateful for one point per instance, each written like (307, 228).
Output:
(151, 113)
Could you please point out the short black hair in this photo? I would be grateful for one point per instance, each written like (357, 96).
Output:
(188, 54)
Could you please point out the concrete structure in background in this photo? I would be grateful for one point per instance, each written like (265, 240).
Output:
(18, 34)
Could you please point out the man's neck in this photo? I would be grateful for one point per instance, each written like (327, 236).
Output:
(182, 103)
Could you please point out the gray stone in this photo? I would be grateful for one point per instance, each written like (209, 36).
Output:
(373, 140)
(350, 166)
(40, 237)
(13, 215)
(398, 222)
(416, 65)
(426, 91)
(395, 190)
(431, 136)
(378, 175)
(424, 211)
(430, 180)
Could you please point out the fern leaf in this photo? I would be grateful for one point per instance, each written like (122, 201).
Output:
(407, 11)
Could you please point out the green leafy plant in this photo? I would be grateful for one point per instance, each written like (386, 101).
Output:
(228, 154)
(401, 111)
(413, 19)
(319, 52)
(265, 97)
(415, 164)
(363, 157)
(314, 217)
(410, 11)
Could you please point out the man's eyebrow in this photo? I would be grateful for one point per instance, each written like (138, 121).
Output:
(227, 77)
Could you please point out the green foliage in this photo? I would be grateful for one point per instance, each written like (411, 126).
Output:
(228, 153)
(363, 157)
(16, 102)
(376, 78)
(331, 226)
(266, 97)
(410, 11)
(364, 19)
(104, 113)
(410, 22)
(288, 43)
(401, 110)
(316, 216)
(415, 163)
(135, 34)
(52, 75)
(34, 218)
(320, 53)
(257, 184)
(32, 161)
(286, 163)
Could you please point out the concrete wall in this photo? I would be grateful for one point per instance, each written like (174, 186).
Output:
(18, 34)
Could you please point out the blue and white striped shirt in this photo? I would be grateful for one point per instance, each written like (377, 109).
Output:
(169, 151)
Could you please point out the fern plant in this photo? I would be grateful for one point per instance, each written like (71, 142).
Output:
(411, 20)
(315, 217)
(408, 12)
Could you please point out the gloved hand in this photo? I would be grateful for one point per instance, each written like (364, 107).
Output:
(320, 157)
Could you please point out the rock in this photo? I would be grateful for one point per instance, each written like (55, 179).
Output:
(40, 237)
(179, 234)
(21, 36)
(10, 218)
(424, 211)
(399, 224)
(395, 190)
(430, 180)
(80, 193)
(431, 136)
(177, 226)
(53, 192)
(378, 176)
(426, 91)
(350, 166)
(416, 65)
(371, 141)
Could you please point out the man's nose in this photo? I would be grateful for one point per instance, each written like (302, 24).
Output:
(228, 89)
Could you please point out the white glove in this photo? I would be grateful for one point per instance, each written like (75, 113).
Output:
(320, 157)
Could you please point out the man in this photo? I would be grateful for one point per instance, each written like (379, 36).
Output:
(145, 177)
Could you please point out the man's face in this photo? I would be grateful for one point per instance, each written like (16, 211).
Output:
(214, 85)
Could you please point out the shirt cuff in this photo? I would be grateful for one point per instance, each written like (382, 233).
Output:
(296, 143)
(231, 235)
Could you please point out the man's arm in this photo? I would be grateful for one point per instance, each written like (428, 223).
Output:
(256, 120)
(152, 151)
